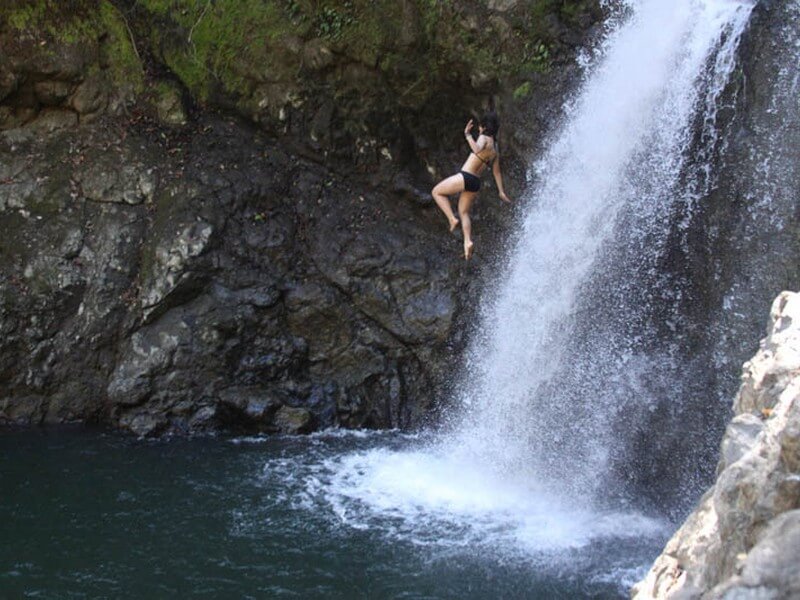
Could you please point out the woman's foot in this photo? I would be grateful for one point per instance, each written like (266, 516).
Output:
(453, 224)
(468, 250)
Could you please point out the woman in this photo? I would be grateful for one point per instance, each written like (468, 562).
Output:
(467, 183)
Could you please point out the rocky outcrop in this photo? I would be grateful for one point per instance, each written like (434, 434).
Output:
(217, 216)
(214, 280)
(363, 78)
(743, 540)
(61, 63)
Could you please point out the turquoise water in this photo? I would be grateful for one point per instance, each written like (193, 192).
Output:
(95, 514)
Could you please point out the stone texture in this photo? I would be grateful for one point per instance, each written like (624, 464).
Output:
(215, 281)
(52, 76)
(280, 272)
(50, 120)
(742, 540)
(169, 105)
(293, 421)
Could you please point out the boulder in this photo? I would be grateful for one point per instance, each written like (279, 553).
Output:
(52, 93)
(90, 96)
(53, 119)
(743, 539)
(169, 105)
(293, 421)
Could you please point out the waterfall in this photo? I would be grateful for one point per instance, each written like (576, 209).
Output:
(578, 361)
(571, 352)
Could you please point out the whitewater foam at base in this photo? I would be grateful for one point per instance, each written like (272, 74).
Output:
(428, 494)
(402, 489)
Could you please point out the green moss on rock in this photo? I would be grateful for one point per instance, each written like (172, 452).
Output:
(121, 54)
(85, 23)
(235, 43)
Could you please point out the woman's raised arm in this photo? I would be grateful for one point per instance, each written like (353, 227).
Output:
(473, 145)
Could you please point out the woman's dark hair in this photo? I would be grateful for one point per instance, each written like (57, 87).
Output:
(490, 123)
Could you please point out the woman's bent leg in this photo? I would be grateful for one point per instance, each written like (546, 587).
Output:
(441, 192)
(464, 205)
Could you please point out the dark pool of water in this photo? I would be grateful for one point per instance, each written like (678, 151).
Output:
(94, 514)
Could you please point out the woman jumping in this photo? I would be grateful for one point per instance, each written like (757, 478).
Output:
(467, 183)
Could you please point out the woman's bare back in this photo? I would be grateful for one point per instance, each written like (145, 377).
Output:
(477, 162)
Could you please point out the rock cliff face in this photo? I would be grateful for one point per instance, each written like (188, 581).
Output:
(743, 540)
(181, 253)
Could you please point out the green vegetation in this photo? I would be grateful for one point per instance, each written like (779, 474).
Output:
(537, 57)
(255, 53)
(27, 16)
(332, 22)
(80, 22)
(523, 91)
(38, 15)
(222, 41)
(121, 54)
(234, 43)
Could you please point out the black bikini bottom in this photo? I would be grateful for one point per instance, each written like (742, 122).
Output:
(471, 182)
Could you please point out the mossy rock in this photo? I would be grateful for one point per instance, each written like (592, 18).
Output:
(169, 104)
(88, 24)
(79, 57)
(375, 60)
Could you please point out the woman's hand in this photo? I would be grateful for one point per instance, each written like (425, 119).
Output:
(505, 198)
(468, 128)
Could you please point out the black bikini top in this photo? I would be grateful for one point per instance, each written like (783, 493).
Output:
(489, 162)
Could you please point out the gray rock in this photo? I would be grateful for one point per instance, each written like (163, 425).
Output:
(293, 421)
(770, 568)
(144, 425)
(90, 97)
(502, 5)
(253, 404)
(52, 93)
(50, 120)
(8, 82)
(739, 439)
(169, 105)
(204, 418)
(317, 55)
(118, 180)
(169, 270)
(150, 352)
(744, 538)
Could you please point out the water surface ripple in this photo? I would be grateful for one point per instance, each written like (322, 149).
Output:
(335, 515)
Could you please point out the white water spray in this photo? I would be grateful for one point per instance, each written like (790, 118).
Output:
(622, 149)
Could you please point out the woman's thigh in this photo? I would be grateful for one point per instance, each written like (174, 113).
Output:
(451, 185)
(465, 200)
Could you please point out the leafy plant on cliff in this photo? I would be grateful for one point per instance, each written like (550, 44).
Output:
(332, 22)
(537, 57)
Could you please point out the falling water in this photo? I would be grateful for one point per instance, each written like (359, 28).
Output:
(558, 365)
(564, 360)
